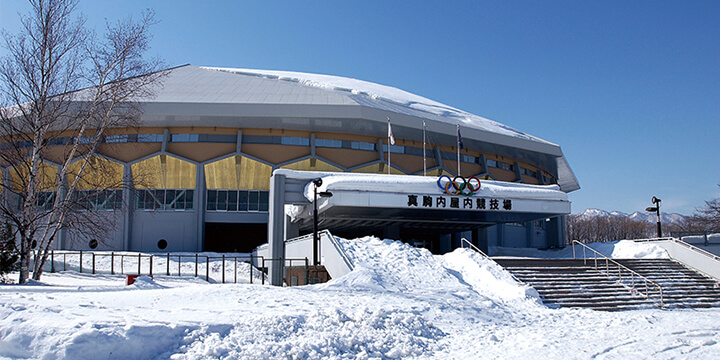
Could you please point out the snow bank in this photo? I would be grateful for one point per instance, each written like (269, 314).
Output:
(396, 266)
(621, 249)
(327, 333)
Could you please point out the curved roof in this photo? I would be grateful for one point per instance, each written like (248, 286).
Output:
(221, 97)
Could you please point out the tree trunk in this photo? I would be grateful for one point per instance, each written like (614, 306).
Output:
(24, 263)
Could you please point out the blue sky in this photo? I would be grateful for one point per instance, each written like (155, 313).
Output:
(629, 89)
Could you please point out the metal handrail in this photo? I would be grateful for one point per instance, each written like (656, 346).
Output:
(464, 240)
(620, 267)
(683, 243)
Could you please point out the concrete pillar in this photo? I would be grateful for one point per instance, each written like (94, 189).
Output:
(391, 232)
(276, 229)
(200, 194)
(480, 239)
(128, 204)
(445, 243)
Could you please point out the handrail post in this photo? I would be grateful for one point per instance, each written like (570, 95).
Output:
(179, 263)
(252, 265)
(52, 261)
(168, 264)
(207, 268)
(151, 265)
(196, 264)
(235, 271)
(93, 259)
(112, 263)
(223, 268)
(81, 261)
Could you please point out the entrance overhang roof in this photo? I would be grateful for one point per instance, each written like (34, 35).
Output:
(370, 201)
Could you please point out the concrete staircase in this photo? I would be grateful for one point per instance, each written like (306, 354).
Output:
(571, 283)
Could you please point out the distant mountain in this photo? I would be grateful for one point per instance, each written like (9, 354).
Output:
(665, 218)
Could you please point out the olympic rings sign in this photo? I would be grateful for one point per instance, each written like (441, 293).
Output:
(465, 187)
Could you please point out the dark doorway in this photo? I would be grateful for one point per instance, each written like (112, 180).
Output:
(243, 238)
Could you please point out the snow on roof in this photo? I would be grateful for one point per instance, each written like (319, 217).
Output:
(386, 94)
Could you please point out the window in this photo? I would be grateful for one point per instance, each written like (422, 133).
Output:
(45, 200)
(164, 199)
(298, 141)
(148, 138)
(395, 149)
(117, 139)
(331, 143)
(359, 145)
(237, 200)
(184, 138)
(528, 172)
(110, 199)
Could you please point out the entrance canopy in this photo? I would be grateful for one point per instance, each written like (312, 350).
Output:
(365, 202)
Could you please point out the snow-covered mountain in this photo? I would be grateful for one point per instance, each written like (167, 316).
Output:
(665, 218)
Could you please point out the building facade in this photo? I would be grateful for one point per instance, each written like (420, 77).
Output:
(200, 162)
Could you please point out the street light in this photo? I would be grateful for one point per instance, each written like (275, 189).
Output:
(656, 209)
(316, 240)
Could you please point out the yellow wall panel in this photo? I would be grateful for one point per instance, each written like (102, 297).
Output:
(99, 173)
(379, 168)
(164, 172)
(307, 165)
(238, 172)
(48, 177)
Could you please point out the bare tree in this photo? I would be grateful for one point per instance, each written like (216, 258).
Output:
(61, 88)
(706, 218)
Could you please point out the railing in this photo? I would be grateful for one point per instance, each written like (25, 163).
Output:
(220, 269)
(682, 243)
(471, 246)
(620, 268)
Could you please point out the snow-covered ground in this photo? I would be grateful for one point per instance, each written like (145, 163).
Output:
(399, 302)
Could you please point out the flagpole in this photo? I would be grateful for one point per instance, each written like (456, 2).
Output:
(424, 157)
(458, 148)
(388, 143)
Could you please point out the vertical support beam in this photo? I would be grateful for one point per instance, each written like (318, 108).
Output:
(438, 159)
(518, 174)
(128, 204)
(200, 206)
(480, 239)
(62, 234)
(276, 228)
(529, 233)
(312, 144)
(166, 140)
(238, 144)
(483, 165)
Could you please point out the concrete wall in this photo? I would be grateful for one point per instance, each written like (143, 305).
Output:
(178, 228)
(708, 265)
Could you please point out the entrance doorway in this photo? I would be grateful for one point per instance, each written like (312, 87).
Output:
(231, 237)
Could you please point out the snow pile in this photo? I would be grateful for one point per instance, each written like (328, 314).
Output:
(487, 277)
(628, 249)
(621, 249)
(396, 266)
(328, 333)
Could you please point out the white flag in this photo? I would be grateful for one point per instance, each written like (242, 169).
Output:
(390, 134)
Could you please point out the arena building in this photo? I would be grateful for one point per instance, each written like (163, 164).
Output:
(210, 139)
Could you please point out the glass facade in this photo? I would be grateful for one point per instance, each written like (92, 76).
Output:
(237, 200)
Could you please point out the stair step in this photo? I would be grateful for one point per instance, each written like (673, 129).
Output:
(577, 283)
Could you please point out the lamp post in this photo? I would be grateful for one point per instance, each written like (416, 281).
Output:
(316, 240)
(656, 209)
